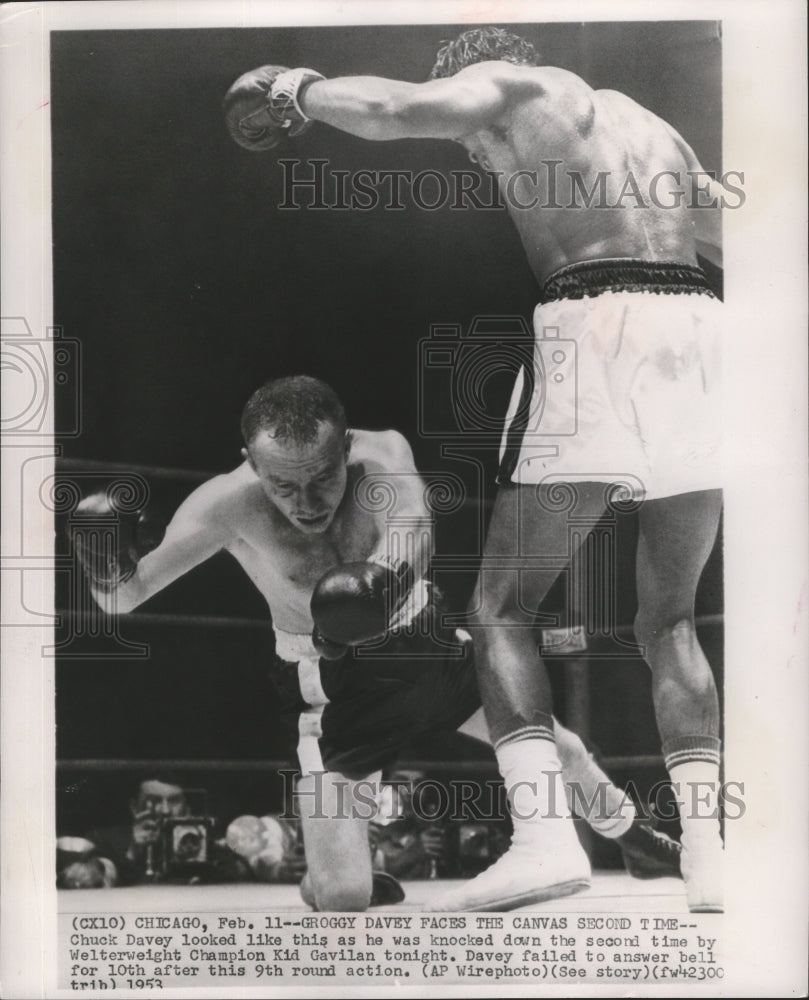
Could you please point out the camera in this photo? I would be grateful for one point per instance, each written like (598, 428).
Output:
(184, 843)
(180, 843)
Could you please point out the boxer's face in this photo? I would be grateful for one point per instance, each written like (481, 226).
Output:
(305, 482)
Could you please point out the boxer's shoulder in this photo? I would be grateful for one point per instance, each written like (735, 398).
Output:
(520, 78)
(228, 495)
(380, 451)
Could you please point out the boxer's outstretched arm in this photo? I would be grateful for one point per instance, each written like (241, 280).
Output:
(198, 530)
(377, 108)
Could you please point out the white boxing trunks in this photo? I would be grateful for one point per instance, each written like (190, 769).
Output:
(625, 385)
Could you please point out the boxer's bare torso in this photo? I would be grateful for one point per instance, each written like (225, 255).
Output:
(609, 146)
(284, 564)
(233, 512)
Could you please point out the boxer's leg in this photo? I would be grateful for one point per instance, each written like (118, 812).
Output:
(676, 537)
(335, 835)
(335, 827)
(647, 853)
(606, 808)
(590, 793)
(528, 544)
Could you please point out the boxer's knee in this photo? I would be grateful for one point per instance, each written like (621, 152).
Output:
(341, 895)
(658, 625)
(672, 650)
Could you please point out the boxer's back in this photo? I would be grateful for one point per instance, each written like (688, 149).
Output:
(594, 181)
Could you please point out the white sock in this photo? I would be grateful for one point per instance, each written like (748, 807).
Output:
(532, 773)
(696, 790)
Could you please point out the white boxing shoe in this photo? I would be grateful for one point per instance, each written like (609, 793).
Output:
(702, 865)
(527, 873)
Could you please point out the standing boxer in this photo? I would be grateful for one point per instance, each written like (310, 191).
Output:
(613, 210)
(301, 517)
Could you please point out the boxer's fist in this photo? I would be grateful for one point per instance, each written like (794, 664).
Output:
(356, 602)
(263, 106)
(110, 558)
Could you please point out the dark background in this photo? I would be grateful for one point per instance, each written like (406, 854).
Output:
(187, 288)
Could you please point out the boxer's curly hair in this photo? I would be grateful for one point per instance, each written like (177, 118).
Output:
(481, 45)
(292, 408)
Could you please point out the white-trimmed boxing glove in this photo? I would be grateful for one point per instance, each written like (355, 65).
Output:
(255, 118)
(286, 93)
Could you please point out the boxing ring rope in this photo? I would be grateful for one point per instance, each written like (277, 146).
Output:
(577, 703)
(429, 766)
(576, 669)
(162, 618)
(213, 621)
(101, 466)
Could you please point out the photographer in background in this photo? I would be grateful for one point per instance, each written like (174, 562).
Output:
(157, 846)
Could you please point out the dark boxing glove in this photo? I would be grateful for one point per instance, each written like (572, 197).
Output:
(357, 601)
(326, 648)
(110, 558)
(263, 106)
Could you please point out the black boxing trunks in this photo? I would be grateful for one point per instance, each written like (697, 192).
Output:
(363, 709)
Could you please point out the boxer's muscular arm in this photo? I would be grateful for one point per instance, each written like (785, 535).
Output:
(377, 108)
(198, 530)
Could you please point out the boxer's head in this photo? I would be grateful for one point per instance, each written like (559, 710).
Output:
(297, 443)
(482, 45)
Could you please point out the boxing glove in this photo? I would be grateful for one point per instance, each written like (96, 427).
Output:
(356, 602)
(327, 649)
(263, 106)
(110, 559)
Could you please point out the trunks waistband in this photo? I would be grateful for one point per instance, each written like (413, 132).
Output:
(625, 274)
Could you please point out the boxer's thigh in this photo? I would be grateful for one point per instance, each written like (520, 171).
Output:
(395, 700)
(676, 536)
